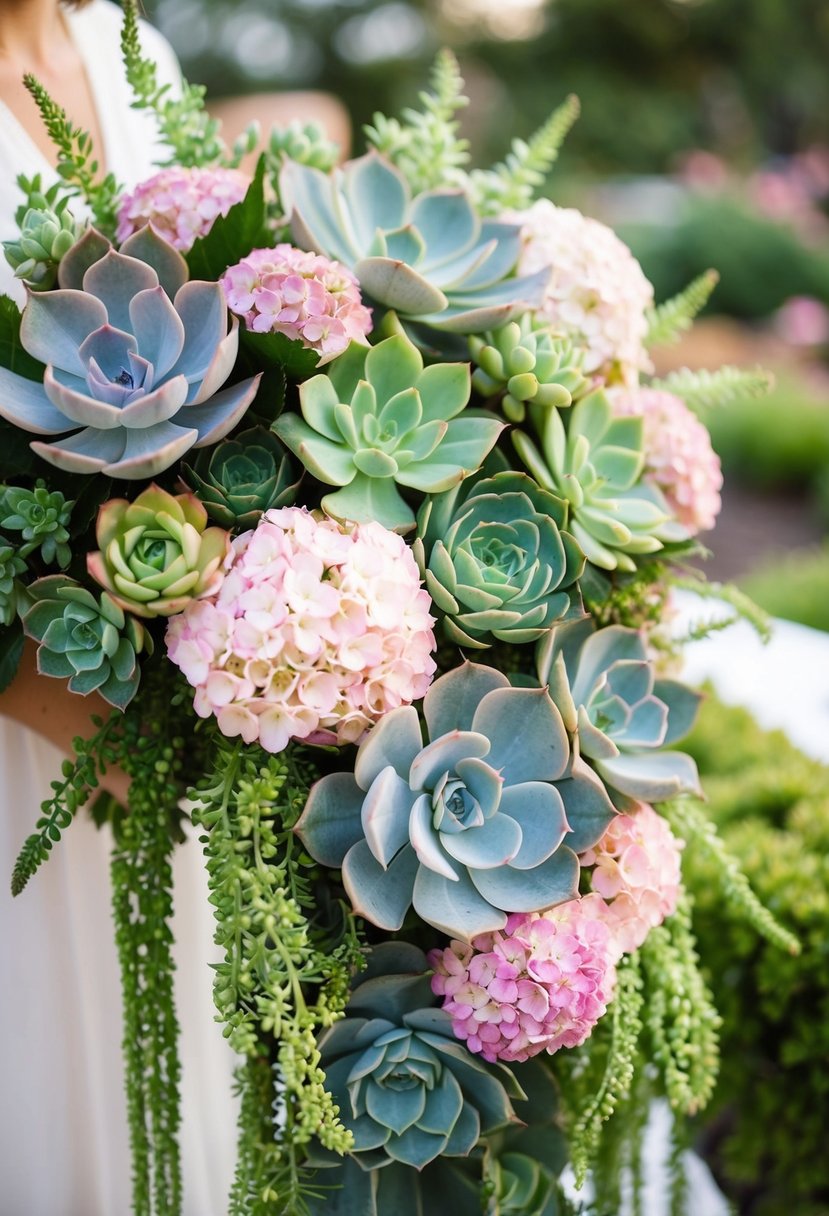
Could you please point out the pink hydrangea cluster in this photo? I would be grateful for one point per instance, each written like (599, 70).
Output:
(540, 984)
(637, 872)
(317, 631)
(305, 296)
(597, 295)
(679, 458)
(181, 204)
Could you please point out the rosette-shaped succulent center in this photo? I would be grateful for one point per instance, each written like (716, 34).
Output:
(529, 365)
(595, 462)
(134, 357)
(243, 477)
(431, 258)
(479, 821)
(406, 1089)
(157, 553)
(380, 420)
(496, 560)
(607, 691)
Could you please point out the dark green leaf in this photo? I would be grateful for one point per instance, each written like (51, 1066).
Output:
(11, 649)
(275, 350)
(12, 354)
(234, 235)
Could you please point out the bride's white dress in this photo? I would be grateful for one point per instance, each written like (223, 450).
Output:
(63, 1134)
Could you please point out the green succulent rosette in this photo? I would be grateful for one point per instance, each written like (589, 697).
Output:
(89, 641)
(407, 1090)
(622, 714)
(156, 553)
(496, 560)
(529, 365)
(46, 235)
(379, 419)
(41, 516)
(242, 477)
(595, 461)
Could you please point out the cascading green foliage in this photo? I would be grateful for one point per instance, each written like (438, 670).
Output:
(264, 899)
(150, 751)
(79, 781)
(77, 165)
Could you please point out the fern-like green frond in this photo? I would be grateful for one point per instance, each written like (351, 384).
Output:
(744, 609)
(425, 145)
(513, 183)
(702, 390)
(77, 166)
(668, 321)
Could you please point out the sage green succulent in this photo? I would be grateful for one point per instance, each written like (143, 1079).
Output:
(528, 364)
(41, 516)
(407, 1090)
(497, 561)
(156, 553)
(303, 142)
(430, 258)
(242, 477)
(483, 819)
(595, 461)
(12, 566)
(47, 233)
(378, 420)
(87, 640)
(621, 714)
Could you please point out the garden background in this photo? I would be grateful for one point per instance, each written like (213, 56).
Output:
(704, 139)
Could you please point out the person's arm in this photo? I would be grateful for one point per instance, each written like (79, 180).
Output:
(47, 707)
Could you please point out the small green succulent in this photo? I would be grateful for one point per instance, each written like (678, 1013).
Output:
(406, 1089)
(11, 566)
(242, 477)
(496, 561)
(42, 518)
(47, 233)
(87, 640)
(483, 819)
(529, 365)
(595, 462)
(604, 685)
(156, 553)
(378, 420)
(303, 142)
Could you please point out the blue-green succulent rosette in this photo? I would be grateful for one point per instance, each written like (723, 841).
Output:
(407, 1090)
(484, 817)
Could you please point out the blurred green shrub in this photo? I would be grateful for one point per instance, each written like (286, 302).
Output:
(795, 587)
(765, 1133)
(761, 263)
(776, 442)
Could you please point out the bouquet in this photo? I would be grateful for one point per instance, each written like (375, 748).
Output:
(352, 492)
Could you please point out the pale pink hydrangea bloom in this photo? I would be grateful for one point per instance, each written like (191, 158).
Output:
(304, 296)
(679, 458)
(181, 204)
(637, 872)
(540, 984)
(597, 295)
(317, 631)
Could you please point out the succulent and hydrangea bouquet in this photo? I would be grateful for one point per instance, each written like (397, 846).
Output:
(352, 492)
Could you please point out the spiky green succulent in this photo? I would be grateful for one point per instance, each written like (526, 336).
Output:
(483, 819)
(41, 516)
(406, 1089)
(86, 640)
(497, 561)
(242, 477)
(595, 462)
(47, 233)
(431, 259)
(378, 420)
(157, 553)
(135, 357)
(12, 566)
(610, 698)
(528, 364)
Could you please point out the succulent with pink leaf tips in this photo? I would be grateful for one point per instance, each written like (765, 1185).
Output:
(157, 552)
(483, 819)
(135, 357)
